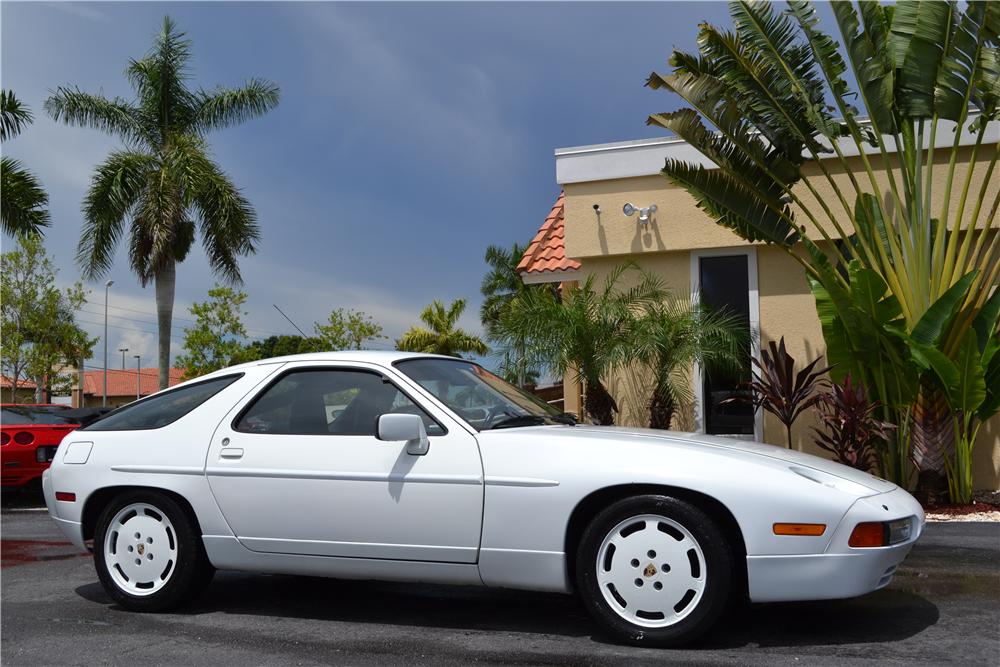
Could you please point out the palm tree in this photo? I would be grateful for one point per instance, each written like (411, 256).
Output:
(500, 287)
(674, 335)
(164, 183)
(904, 276)
(441, 336)
(588, 330)
(24, 204)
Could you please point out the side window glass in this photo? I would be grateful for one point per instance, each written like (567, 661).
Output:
(161, 409)
(328, 402)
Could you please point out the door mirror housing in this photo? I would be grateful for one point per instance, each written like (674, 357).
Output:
(409, 428)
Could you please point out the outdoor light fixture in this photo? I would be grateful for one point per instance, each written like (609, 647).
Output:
(629, 210)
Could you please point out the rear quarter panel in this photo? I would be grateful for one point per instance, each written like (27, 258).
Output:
(170, 458)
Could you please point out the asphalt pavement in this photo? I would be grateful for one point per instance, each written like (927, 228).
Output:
(943, 607)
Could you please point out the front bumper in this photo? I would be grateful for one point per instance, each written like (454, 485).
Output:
(842, 571)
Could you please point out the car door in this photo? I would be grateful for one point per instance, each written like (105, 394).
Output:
(297, 468)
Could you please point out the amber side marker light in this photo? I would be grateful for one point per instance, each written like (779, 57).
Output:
(868, 534)
(66, 496)
(807, 529)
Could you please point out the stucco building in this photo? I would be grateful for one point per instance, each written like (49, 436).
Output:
(587, 233)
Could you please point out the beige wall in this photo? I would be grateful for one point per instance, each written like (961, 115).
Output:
(680, 225)
(663, 246)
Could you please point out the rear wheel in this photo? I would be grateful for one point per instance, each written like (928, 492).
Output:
(148, 552)
(654, 570)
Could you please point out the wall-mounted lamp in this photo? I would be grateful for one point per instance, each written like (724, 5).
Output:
(629, 210)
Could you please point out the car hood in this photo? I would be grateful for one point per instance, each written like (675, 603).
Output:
(799, 462)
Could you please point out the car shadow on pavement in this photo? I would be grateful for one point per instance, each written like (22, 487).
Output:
(883, 616)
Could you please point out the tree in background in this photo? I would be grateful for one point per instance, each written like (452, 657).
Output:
(276, 346)
(589, 330)
(672, 336)
(441, 336)
(24, 204)
(347, 330)
(218, 334)
(904, 277)
(38, 332)
(500, 287)
(164, 186)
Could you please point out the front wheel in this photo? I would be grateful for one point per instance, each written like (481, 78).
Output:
(148, 552)
(654, 570)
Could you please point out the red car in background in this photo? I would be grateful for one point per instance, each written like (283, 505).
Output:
(29, 437)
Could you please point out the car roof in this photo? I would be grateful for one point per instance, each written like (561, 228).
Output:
(382, 357)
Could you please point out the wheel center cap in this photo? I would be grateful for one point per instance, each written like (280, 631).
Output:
(141, 548)
(649, 571)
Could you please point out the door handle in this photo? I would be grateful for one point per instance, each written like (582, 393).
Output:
(231, 453)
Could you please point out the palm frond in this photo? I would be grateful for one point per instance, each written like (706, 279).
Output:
(225, 107)
(226, 220)
(75, 107)
(731, 204)
(14, 116)
(116, 187)
(23, 201)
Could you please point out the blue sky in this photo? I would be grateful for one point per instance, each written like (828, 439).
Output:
(409, 137)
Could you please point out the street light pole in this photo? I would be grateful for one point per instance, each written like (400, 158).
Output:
(104, 396)
(138, 376)
(123, 350)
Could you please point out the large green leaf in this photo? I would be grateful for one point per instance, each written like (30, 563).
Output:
(869, 59)
(920, 30)
(991, 378)
(772, 35)
(955, 83)
(987, 320)
(935, 321)
(962, 379)
(732, 205)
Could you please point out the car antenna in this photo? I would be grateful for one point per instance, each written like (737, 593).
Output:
(290, 320)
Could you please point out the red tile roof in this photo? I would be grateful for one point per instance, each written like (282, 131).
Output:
(122, 383)
(547, 251)
(6, 382)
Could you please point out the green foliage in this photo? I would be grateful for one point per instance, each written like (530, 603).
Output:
(500, 287)
(851, 431)
(218, 334)
(441, 335)
(24, 204)
(347, 330)
(588, 330)
(899, 276)
(276, 346)
(163, 189)
(38, 332)
(671, 336)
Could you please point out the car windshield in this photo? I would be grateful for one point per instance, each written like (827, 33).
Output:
(36, 414)
(480, 397)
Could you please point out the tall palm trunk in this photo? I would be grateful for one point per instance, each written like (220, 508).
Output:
(166, 280)
(599, 404)
(932, 435)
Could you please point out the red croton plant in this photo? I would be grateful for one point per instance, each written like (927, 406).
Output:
(851, 431)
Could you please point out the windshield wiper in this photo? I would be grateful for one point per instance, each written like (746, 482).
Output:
(534, 420)
(564, 418)
(518, 420)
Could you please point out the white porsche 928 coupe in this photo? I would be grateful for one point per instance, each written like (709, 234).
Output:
(389, 465)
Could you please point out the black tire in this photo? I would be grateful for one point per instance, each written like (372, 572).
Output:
(719, 568)
(188, 576)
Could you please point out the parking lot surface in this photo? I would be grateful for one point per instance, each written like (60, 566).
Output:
(943, 607)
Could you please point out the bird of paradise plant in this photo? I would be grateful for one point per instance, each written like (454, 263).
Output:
(905, 274)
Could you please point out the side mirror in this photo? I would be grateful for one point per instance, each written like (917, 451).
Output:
(410, 428)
